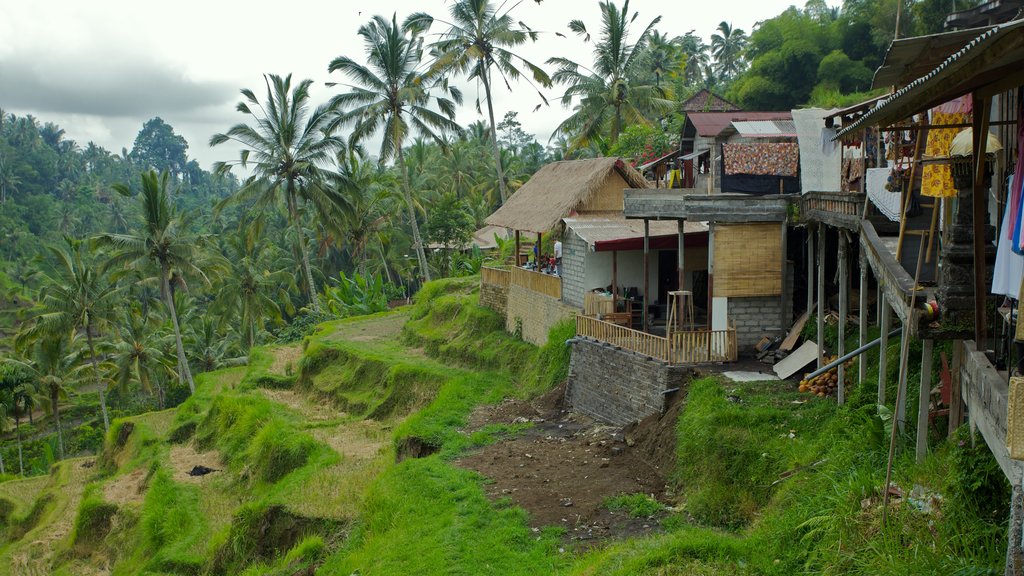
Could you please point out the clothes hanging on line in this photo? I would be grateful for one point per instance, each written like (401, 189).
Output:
(1009, 268)
(936, 179)
(888, 203)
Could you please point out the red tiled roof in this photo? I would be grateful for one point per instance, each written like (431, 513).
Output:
(713, 123)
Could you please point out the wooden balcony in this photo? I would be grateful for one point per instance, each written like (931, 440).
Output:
(684, 347)
(837, 209)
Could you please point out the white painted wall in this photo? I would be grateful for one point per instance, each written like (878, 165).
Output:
(631, 268)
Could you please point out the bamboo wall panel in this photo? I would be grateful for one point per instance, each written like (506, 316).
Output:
(748, 259)
(494, 276)
(595, 304)
(546, 284)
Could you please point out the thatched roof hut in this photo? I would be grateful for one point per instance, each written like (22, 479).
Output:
(561, 188)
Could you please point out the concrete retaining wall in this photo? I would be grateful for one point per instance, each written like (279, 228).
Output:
(616, 386)
(494, 297)
(534, 314)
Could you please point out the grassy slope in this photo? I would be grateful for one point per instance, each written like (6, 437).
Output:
(308, 438)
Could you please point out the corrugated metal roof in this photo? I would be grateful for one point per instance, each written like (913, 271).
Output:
(765, 128)
(596, 229)
(909, 58)
(710, 124)
(955, 76)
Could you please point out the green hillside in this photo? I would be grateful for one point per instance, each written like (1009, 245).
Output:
(348, 454)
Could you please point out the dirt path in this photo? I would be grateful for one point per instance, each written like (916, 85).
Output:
(564, 468)
(372, 329)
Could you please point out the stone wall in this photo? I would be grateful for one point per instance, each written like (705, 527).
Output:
(494, 297)
(574, 254)
(616, 386)
(534, 313)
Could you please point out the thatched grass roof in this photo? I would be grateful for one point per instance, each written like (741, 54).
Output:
(558, 189)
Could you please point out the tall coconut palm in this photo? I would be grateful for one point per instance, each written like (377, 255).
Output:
(54, 365)
(288, 145)
(479, 39)
(13, 384)
(373, 201)
(162, 241)
(727, 46)
(252, 287)
(610, 96)
(391, 94)
(76, 295)
(139, 354)
(696, 58)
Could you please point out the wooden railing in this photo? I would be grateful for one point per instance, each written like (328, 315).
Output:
(546, 284)
(686, 347)
(833, 208)
(625, 338)
(701, 346)
(494, 276)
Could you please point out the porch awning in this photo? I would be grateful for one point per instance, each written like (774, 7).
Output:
(605, 234)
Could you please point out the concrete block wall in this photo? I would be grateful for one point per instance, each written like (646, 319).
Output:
(534, 313)
(574, 253)
(754, 317)
(616, 386)
(494, 297)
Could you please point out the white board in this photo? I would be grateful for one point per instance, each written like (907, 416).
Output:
(796, 361)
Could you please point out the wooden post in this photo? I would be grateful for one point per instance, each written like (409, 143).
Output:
(843, 297)
(516, 261)
(615, 279)
(980, 120)
(821, 295)
(956, 413)
(647, 264)
(680, 269)
(711, 270)
(540, 240)
(862, 317)
(810, 269)
(901, 391)
(923, 399)
(883, 346)
(1014, 558)
(784, 322)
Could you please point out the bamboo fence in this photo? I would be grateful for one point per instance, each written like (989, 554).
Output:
(545, 284)
(494, 276)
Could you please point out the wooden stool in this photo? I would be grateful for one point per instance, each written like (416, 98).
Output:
(680, 304)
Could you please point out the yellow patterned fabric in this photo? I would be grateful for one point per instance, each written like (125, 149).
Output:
(936, 179)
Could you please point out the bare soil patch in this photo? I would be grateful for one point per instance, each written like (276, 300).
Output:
(184, 457)
(285, 356)
(312, 410)
(371, 330)
(126, 489)
(361, 440)
(563, 469)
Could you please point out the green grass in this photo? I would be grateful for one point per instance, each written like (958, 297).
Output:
(635, 505)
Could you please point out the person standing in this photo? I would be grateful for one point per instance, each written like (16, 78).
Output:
(558, 257)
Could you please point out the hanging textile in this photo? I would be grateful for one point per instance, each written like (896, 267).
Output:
(1017, 181)
(851, 172)
(936, 179)
(772, 159)
(887, 202)
(1009, 268)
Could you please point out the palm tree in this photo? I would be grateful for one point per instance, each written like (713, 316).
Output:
(727, 46)
(76, 295)
(140, 354)
(288, 147)
(54, 365)
(251, 288)
(372, 199)
(161, 241)
(392, 95)
(610, 96)
(480, 38)
(696, 58)
(664, 56)
(14, 384)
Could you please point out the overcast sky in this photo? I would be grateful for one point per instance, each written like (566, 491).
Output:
(100, 69)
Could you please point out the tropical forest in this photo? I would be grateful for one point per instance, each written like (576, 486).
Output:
(284, 361)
